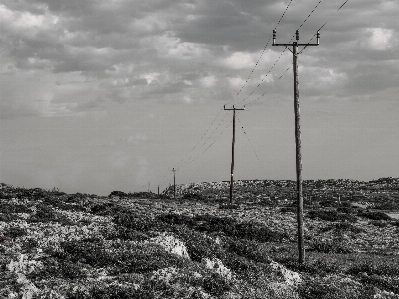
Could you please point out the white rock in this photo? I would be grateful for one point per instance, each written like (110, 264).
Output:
(290, 277)
(217, 266)
(171, 244)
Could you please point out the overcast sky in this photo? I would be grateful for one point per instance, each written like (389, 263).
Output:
(103, 95)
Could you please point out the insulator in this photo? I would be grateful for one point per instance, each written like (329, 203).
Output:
(297, 35)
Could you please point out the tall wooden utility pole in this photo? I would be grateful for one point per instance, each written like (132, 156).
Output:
(232, 148)
(174, 183)
(301, 248)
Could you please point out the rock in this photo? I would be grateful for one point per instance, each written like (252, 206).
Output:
(290, 277)
(217, 266)
(171, 244)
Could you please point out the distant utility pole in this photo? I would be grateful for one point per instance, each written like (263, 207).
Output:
(174, 183)
(294, 51)
(232, 148)
(158, 190)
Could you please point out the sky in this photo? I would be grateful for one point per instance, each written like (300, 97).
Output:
(104, 95)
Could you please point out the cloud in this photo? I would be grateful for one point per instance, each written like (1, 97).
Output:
(380, 38)
(236, 82)
(208, 81)
(239, 60)
(130, 51)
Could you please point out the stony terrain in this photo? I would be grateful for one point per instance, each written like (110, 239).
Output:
(57, 245)
(381, 191)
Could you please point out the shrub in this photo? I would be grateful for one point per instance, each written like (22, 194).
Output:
(29, 244)
(198, 245)
(374, 215)
(288, 210)
(58, 203)
(136, 258)
(389, 205)
(228, 226)
(331, 216)
(229, 206)
(346, 226)
(15, 232)
(343, 226)
(45, 213)
(241, 247)
(319, 266)
(136, 222)
(117, 193)
(375, 266)
(7, 208)
(112, 291)
(193, 196)
(384, 283)
(108, 208)
(145, 259)
(256, 232)
(124, 233)
(8, 217)
(332, 288)
(329, 246)
(57, 269)
(328, 203)
(176, 219)
(346, 210)
(239, 264)
(379, 223)
(215, 285)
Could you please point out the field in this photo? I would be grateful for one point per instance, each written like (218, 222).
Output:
(57, 245)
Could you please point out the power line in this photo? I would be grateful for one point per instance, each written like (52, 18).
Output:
(300, 52)
(245, 133)
(281, 54)
(185, 161)
(199, 155)
(264, 49)
(202, 137)
(323, 26)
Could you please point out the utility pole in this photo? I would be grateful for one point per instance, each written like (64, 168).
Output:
(295, 45)
(158, 190)
(232, 148)
(174, 183)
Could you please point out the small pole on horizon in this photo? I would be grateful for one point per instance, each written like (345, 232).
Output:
(158, 190)
(295, 54)
(232, 148)
(174, 183)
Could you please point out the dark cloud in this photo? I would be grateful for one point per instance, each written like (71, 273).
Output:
(122, 42)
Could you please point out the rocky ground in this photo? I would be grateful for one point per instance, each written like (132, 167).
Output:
(57, 245)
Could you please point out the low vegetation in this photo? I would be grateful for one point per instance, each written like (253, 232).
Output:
(57, 245)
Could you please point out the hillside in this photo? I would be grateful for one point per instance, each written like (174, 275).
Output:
(382, 193)
(57, 245)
